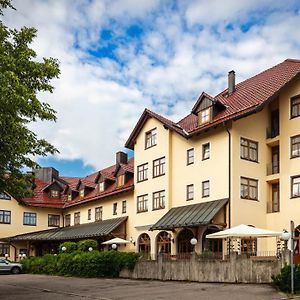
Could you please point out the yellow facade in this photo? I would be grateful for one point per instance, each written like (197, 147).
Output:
(224, 169)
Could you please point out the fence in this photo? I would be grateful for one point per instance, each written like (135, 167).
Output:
(239, 269)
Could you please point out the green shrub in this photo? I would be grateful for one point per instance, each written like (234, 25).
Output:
(86, 244)
(283, 279)
(82, 264)
(70, 247)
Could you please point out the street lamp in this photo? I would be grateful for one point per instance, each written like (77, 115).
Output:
(90, 249)
(63, 249)
(114, 246)
(23, 255)
(193, 242)
(6, 255)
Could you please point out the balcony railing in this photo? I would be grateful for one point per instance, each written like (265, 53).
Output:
(272, 132)
(273, 168)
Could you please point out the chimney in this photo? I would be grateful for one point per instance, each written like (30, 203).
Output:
(121, 158)
(47, 174)
(231, 82)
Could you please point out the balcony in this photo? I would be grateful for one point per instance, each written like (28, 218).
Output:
(273, 168)
(272, 132)
(272, 136)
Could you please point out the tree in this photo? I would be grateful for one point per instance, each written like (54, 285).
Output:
(22, 78)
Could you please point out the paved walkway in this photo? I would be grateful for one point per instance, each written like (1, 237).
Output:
(33, 287)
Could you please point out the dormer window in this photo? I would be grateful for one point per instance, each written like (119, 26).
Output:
(101, 186)
(81, 193)
(151, 138)
(120, 180)
(70, 197)
(205, 116)
(54, 194)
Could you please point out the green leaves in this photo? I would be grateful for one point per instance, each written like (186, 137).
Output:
(22, 79)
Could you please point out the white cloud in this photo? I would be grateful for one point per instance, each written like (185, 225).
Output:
(99, 99)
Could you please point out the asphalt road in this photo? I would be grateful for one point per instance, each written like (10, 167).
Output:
(33, 287)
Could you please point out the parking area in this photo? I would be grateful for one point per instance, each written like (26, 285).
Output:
(44, 287)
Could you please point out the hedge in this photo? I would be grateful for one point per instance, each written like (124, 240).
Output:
(81, 264)
(283, 279)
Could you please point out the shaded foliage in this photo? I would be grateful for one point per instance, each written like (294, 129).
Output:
(283, 279)
(82, 264)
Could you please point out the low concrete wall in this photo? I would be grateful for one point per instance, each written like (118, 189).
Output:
(236, 269)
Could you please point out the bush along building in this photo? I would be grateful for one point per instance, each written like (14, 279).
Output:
(235, 159)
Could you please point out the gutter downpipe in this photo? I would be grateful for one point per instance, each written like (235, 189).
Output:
(229, 174)
(229, 181)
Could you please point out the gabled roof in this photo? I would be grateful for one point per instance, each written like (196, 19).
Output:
(249, 96)
(200, 99)
(190, 215)
(142, 120)
(55, 182)
(41, 198)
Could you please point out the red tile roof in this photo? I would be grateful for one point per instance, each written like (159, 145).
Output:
(41, 198)
(249, 95)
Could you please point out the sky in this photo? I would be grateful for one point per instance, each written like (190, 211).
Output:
(118, 57)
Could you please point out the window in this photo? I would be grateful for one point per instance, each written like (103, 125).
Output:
(190, 156)
(249, 188)
(295, 107)
(142, 172)
(54, 194)
(249, 150)
(115, 207)
(69, 196)
(190, 192)
(120, 180)
(204, 116)
(98, 213)
(124, 207)
(29, 219)
(151, 138)
(53, 220)
(5, 217)
(205, 151)
(89, 214)
(142, 203)
(81, 193)
(77, 218)
(159, 167)
(4, 196)
(295, 146)
(101, 186)
(159, 200)
(67, 220)
(4, 249)
(295, 186)
(205, 189)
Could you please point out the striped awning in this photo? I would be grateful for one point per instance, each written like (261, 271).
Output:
(89, 230)
(190, 215)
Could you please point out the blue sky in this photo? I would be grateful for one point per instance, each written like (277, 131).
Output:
(118, 57)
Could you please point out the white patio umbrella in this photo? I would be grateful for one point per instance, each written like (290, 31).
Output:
(115, 241)
(243, 231)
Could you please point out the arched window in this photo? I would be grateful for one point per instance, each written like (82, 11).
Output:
(213, 245)
(184, 241)
(144, 243)
(163, 242)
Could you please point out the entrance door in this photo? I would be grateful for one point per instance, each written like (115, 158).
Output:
(275, 160)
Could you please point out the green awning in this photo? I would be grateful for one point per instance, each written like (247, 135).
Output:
(190, 215)
(89, 230)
